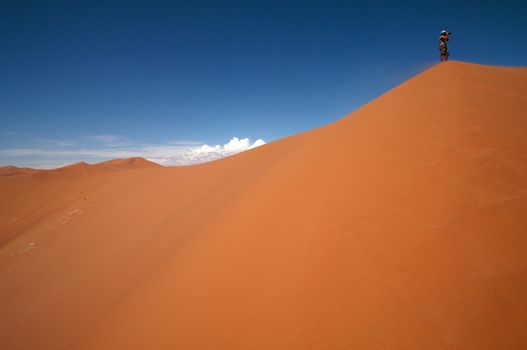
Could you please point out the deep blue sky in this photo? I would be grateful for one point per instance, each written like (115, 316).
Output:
(159, 71)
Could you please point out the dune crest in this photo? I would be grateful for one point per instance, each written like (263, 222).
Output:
(127, 163)
(79, 168)
(400, 226)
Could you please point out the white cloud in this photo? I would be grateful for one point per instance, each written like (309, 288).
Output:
(206, 153)
(105, 147)
(257, 143)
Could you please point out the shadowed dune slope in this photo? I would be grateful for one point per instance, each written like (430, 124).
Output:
(400, 226)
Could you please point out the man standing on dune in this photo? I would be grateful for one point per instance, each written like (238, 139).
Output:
(443, 49)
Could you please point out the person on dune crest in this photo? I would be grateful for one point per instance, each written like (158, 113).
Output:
(443, 48)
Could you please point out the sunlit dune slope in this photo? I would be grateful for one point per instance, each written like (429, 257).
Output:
(400, 226)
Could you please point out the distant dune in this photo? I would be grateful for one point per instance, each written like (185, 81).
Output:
(400, 226)
(80, 168)
(128, 163)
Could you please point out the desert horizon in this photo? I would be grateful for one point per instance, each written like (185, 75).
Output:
(399, 226)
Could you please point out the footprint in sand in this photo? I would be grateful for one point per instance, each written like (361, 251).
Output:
(28, 247)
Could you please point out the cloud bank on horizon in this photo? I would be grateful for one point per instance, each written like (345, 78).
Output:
(206, 153)
(203, 153)
(47, 153)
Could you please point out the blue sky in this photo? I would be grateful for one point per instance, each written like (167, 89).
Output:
(103, 79)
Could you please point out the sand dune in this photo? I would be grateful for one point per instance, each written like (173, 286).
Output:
(128, 163)
(400, 226)
(77, 169)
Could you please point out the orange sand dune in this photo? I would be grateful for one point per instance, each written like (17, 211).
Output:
(128, 163)
(80, 168)
(401, 226)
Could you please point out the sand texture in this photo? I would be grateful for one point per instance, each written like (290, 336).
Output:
(400, 226)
